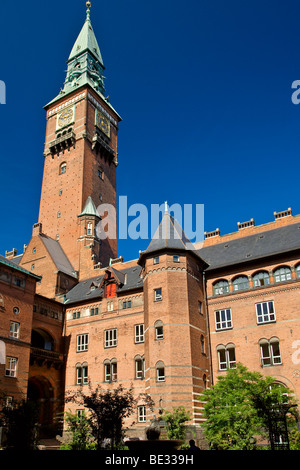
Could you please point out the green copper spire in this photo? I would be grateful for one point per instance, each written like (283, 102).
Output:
(85, 64)
(86, 40)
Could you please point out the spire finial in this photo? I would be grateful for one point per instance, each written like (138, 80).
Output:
(166, 206)
(88, 9)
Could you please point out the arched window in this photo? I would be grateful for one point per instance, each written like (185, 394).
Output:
(2, 352)
(270, 352)
(89, 229)
(226, 356)
(261, 279)
(62, 168)
(240, 283)
(202, 344)
(298, 271)
(139, 367)
(159, 329)
(221, 287)
(110, 370)
(283, 274)
(160, 371)
(42, 340)
(204, 381)
(81, 373)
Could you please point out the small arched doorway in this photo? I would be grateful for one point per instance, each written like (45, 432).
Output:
(40, 391)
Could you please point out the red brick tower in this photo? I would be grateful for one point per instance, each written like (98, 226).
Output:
(176, 334)
(80, 158)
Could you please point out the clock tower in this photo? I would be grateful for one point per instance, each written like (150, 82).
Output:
(80, 159)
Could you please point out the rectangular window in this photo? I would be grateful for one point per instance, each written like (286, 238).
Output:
(110, 306)
(94, 311)
(139, 333)
(176, 258)
(76, 315)
(200, 307)
(82, 342)
(270, 353)
(265, 312)
(110, 372)
(157, 294)
(156, 260)
(226, 358)
(223, 319)
(139, 368)
(159, 332)
(127, 304)
(160, 374)
(111, 338)
(141, 414)
(11, 367)
(14, 329)
(82, 375)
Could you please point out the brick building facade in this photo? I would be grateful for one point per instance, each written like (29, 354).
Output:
(168, 323)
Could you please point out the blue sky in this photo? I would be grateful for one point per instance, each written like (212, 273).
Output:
(204, 90)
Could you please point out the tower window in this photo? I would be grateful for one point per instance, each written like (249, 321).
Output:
(89, 229)
(159, 330)
(100, 173)
(160, 371)
(58, 214)
(62, 168)
(157, 294)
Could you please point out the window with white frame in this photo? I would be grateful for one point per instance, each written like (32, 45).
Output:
(223, 319)
(11, 367)
(14, 329)
(110, 338)
(110, 371)
(283, 274)
(81, 374)
(226, 356)
(139, 367)
(160, 371)
(156, 260)
(157, 294)
(265, 312)
(82, 342)
(159, 330)
(298, 271)
(270, 352)
(221, 287)
(89, 230)
(261, 279)
(176, 258)
(141, 414)
(139, 333)
(110, 306)
(240, 283)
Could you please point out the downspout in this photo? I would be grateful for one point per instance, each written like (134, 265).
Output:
(208, 329)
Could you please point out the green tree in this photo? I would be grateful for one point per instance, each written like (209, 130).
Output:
(175, 422)
(80, 430)
(237, 408)
(107, 410)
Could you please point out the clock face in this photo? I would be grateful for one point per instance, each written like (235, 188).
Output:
(65, 117)
(103, 124)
